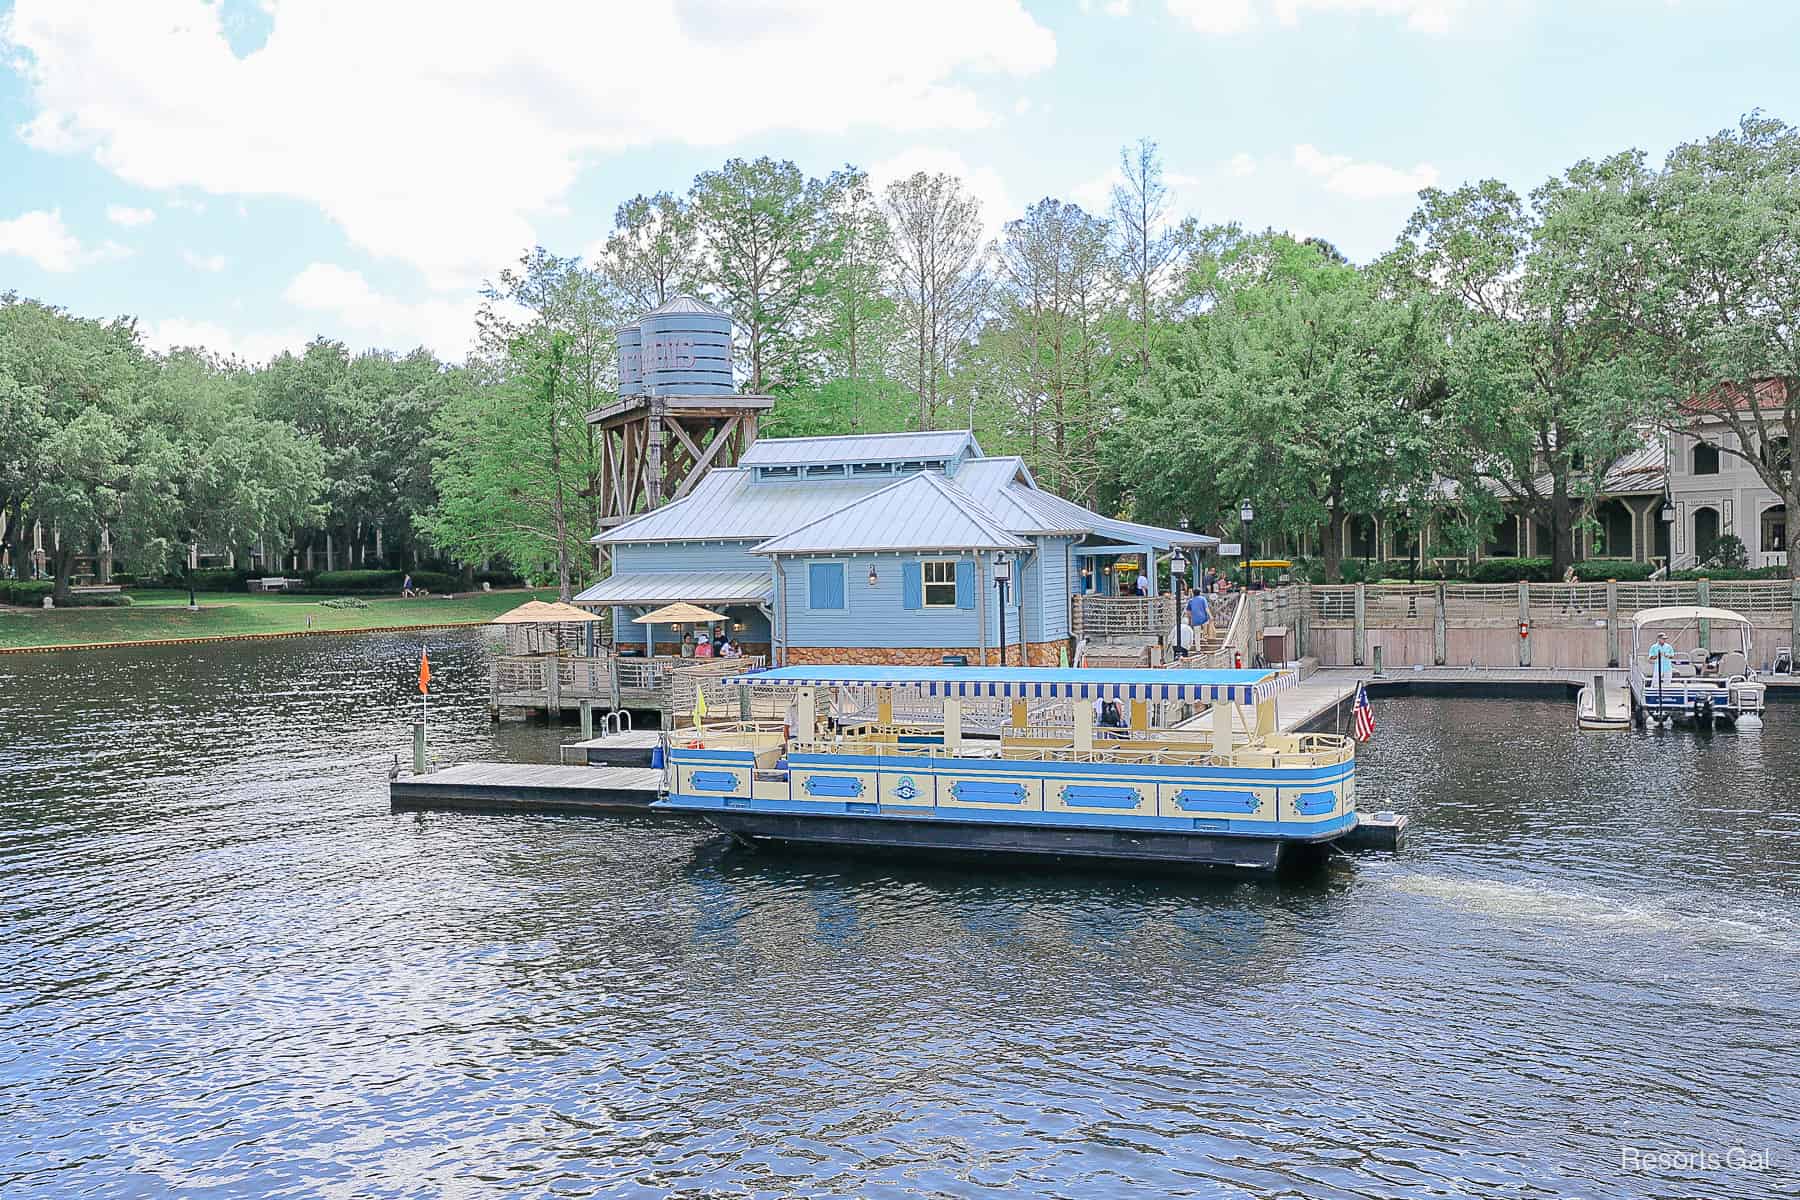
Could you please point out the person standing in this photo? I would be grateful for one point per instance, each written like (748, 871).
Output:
(1200, 614)
(406, 586)
(1662, 660)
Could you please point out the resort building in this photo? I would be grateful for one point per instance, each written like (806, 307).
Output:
(1716, 492)
(896, 548)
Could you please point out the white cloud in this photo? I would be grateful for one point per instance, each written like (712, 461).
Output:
(1363, 180)
(204, 262)
(175, 333)
(434, 134)
(120, 214)
(1241, 164)
(983, 183)
(42, 238)
(446, 327)
(1237, 16)
(1112, 8)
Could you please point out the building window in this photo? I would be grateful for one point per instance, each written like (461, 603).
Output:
(1613, 537)
(825, 585)
(1777, 455)
(1706, 533)
(1706, 459)
(1504, 541)
(1774, 529)
(940, 583)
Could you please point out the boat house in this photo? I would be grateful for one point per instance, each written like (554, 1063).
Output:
(886, 549)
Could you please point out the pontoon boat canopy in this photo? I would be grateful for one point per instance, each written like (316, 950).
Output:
(1041, 683)
(1686, 612)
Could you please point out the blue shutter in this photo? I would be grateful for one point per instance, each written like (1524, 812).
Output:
(965, 583)
(825, 585)
(912, 585)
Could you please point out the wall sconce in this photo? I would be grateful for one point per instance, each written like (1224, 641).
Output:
(872, 575)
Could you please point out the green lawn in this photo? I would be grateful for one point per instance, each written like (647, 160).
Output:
(156, 614)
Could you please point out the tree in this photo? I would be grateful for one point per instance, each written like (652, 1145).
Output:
(1702, 261)
(1149, 247)
(148, 453)
(939, 276)
(764, 227)
(653, 252)
(1055, 284)
(1303, 387)
(859, 327)
(1542, 385)
(515, 449)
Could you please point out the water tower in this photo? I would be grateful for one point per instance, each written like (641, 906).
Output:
(678, 411)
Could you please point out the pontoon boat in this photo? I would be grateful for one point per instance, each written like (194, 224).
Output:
(1016, 763)
(1708, 675)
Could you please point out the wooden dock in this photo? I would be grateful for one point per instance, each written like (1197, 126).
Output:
(527, 787)
(627, 748)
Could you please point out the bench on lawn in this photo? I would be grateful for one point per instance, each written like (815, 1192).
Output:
(273, 583)
(96, 589)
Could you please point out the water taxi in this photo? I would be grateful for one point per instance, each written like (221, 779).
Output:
(1706, 674)
(1022, 762)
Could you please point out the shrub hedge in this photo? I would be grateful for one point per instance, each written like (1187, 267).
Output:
(375, 581)
(1511, 570)
(31, 592)
(1599, 570)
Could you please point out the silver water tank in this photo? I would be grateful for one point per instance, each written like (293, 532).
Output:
(687, 349)
(631, 360)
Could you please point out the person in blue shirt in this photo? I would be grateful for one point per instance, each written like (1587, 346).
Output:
(1199, 615)
(1662, 659)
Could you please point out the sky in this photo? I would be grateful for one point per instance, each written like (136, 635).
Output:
(249, 174)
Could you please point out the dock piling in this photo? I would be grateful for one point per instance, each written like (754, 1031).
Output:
(418, 747)
(587, 720)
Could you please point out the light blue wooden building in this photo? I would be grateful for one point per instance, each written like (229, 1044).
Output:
(879, 549)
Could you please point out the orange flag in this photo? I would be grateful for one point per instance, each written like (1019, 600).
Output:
(424, 673)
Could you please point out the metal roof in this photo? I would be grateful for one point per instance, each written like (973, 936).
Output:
(663, 587)
(685, 304)
(920, 512)
(1047, 683)
(731, 504)
(1055, 508)
(858, 448)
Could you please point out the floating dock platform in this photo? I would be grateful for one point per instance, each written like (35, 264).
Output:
(627, 748)
(527, 787)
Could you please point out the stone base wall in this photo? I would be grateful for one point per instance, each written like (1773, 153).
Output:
(1041, 654)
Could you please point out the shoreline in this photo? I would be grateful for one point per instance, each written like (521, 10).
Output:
(236, 637)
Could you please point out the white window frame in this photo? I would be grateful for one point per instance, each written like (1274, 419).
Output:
(926, 583)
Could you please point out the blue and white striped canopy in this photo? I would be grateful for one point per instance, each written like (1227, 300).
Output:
(1039, 683)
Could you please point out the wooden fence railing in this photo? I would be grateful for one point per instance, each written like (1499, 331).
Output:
(1110, 618)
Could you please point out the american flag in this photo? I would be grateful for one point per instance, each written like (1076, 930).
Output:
(1365, 716)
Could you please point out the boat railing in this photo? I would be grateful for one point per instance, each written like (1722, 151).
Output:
(1289, 751)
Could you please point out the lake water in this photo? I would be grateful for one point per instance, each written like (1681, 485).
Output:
(226, 970)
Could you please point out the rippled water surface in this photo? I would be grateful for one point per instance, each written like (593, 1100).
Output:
(226, 969)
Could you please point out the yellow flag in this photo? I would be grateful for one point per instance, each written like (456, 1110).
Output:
(699, 702)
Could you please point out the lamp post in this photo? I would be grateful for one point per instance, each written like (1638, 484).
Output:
(1246, 514)
(1002, 573)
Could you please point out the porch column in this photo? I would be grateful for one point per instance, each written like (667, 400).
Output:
(649, 637)
(981, 620)
(1150, 567)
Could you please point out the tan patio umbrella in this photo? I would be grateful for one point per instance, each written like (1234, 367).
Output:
(538, 612)
(681, 613)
